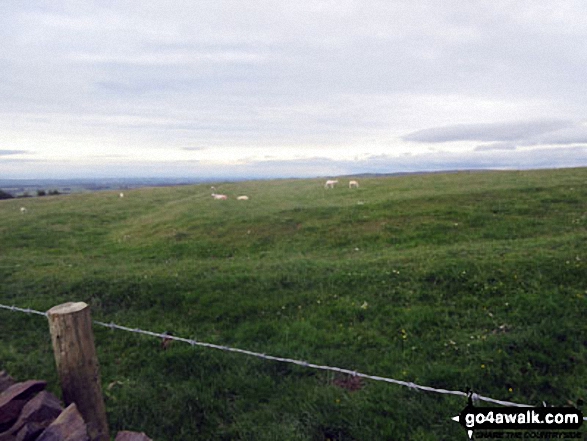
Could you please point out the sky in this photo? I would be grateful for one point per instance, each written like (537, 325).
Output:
(263, 89)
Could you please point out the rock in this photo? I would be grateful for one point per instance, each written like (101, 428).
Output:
(36, 414)
(30, 431)
(13, 399)
(69, 426)
(9, 412)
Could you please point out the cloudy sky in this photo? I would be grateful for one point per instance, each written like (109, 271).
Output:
(219, 88)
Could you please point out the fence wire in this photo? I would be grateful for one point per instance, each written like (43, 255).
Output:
(413, 386)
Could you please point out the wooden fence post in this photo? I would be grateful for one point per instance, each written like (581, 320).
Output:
(75, 355)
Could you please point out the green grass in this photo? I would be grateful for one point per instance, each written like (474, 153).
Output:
(447, 280)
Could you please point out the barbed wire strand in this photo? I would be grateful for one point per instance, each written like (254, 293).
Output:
(475, 397)
(27, 310)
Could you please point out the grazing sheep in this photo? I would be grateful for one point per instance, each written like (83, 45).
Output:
(121, 195)
(218, 197)
(353, 184)
(23, 210)
(330, 183)
(242, 198)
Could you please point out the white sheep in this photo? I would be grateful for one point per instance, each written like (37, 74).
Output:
(353, 184)
(23, 210)
(218, 197)
(330, 183)
(242, 198)
(121, 195)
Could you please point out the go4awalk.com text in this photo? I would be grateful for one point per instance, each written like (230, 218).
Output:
(529, 423)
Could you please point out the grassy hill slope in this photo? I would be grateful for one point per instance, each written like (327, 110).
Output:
(452, 281)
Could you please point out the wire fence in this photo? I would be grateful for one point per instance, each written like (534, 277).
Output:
(417, 387)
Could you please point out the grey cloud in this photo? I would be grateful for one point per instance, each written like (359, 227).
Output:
(576, 134)
(496, 146)
(109, 156)
(19, 163)
(507, 131)
(570, 135)
(11, 152)
(510, 159)
(263, 72)
(310, 49)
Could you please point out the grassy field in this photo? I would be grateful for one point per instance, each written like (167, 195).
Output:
(447, 280)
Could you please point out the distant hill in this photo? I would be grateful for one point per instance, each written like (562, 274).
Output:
(19, 187)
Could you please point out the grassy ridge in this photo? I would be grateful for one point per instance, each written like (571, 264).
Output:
(453, 281)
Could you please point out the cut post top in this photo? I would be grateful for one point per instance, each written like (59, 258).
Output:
(67, 308)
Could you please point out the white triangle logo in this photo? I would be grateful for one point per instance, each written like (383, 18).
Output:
(458, 420)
